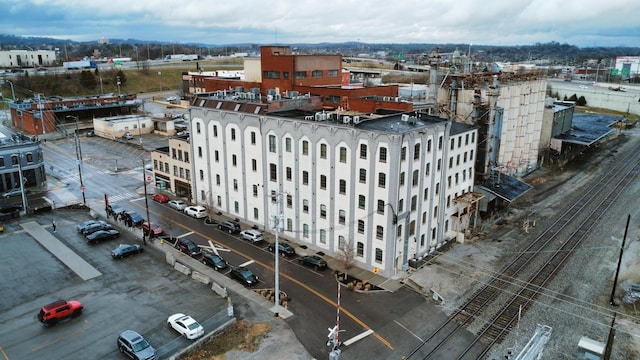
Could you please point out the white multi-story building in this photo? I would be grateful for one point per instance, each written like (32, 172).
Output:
(27, 58)
(384, 186)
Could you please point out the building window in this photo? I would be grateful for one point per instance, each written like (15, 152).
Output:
(285, 74)
(255, 214)
(273, 172)
(426, 194)
(289, 201)
(414, 202)
(399, 231)
(301, 74)
(254, 165)
(305, 178)
(381, 207)
(323, 151)
(382, 180)
(201, 175)
(187, 174)
(200, 151)
(453, 144)
(471, 155)
(198, 128)
(363, 176)
(361, 226)
(235, 184)
(173, 154)
(218, 179)
(271, 74)
(440, 140)
(450, 162)
(272, 143)
(416, 152)
(289, 173)
(342, 216)
(332, 73)
(363, 151)
(323, 236)
(182, 173)
(253, 138)
(341, 242)
(274, 196)
(305, 147)
(439, 164)
(305, 206)
(255, 190)
(412, 228)
(383, 155)
(287, 144)
(236, 207)
(415, 178)
(305, 230)
(379, 232)
(186, 157)
(400, 205)
(175, 170)
(219, 200)
(402, 178)
(234, 160)
(323, 182)
(289, 225)
(429, 145)
(427, 169)
(233, 134)
(323, 211)
(216, 156)
(316, 73)
(379, 255)
(215, 131)
(343, 154)
(403, 154)
(362, 201)
(343, 187)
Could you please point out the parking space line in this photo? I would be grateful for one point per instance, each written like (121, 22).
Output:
(183, 235)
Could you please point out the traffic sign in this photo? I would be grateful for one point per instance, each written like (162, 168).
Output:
(148, 177)
(82, 187)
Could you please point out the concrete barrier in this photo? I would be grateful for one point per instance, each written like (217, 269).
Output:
(197, 276)
(220, 290)
(171, 260)
(181, 268)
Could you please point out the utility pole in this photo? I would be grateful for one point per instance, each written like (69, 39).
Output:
(615, 280)
(25, 206)
(334, 333)
(79, 160)
(278, 225)
(146, 204)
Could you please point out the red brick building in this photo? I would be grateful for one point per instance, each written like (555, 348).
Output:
(284, 72)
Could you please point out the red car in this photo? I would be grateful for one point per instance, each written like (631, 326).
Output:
(161, 198)
(58, 310)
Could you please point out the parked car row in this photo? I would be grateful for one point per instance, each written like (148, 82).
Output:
(97, 230)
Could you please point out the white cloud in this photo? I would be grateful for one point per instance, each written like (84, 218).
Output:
(499, 22)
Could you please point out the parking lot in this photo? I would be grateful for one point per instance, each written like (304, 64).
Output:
(138, 293)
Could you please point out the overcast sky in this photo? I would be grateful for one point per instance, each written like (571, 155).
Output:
(584, 23)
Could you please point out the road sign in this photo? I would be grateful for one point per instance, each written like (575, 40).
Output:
(82, 187)
(148, 177)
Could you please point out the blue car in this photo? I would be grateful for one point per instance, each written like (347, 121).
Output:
(136, 219)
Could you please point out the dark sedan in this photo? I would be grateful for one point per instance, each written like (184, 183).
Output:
(101, 225)
(83, 225)
(244, 276)
(313, 261)
(135, 218)
(284, 249)
(125, 250)
(213, 260)
(102, 235)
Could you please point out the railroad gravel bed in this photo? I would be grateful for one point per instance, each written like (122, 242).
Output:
(576, 302)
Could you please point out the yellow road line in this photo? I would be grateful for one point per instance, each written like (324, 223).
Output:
(342, 309)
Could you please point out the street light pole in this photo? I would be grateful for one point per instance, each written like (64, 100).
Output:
(79, 160)
(277, 225)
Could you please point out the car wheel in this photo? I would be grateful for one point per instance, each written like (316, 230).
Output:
(301, 262)
(204, 262)
(283, 254)
(169, 325)
(121, 349)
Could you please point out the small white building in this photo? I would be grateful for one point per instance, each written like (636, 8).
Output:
(114, 127)
(27, 58)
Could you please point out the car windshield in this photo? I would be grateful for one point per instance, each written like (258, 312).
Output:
(140, 345)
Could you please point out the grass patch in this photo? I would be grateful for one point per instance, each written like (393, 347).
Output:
(239, 336)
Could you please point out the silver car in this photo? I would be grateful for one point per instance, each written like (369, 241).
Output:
(135, 346)
(177, 205)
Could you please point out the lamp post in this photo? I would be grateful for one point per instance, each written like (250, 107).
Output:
(140, 132)
(25, 206)
(278, 223)
(160, 76)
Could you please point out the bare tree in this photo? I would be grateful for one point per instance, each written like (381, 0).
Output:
(346, 256)
(211, 208)
(170, 226)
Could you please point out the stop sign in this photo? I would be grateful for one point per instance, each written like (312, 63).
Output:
(148, 177)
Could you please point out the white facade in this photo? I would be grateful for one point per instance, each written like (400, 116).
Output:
(385, 187)
(172, 167)
(27, 58)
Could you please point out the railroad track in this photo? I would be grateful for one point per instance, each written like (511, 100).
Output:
(514, 289)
